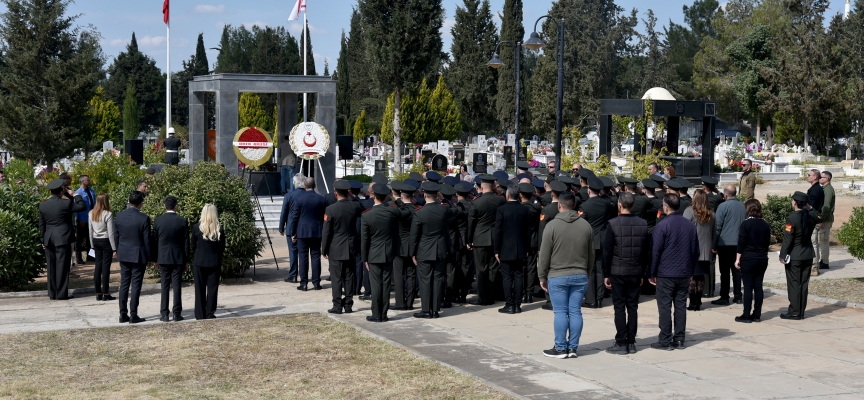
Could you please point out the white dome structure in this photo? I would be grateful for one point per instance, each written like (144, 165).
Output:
(657, 93)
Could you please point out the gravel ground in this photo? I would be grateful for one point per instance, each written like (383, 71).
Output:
(849, 289)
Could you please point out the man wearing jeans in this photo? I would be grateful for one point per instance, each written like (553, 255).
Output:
(289, 161)
(730, 214)
(566, 257)
(675, 248)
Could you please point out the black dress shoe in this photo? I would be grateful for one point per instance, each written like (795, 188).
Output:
(547, 306)
(517, 309)
(720, 302)
(396, 308)
(737, 301)
(348, 310)
(385, 319)
(617, 349)
(99, 297)
(107, 297)
(823, 265)
(661, 346)
(290, 279)
(679, 345)
(435, 314)
(507, 310)
(743, 319)
(317, 287)
(164, 318)
(372, 318)
(335, 310)
(178, 318)
(631, 348)
(424, 314)
(789, 316)
(124, 319)
(302, 287)
(755, 319)
(409, 308)
(697, 307)
(136, 319)
(690, 307)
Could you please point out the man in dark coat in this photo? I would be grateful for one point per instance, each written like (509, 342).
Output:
(305, 229)
(132, 236)
(404, 270)
(481, 223)
(287, 202)
(512, 243)
(57, 235)
(340, 242)
(379, 245)
(171, 253)
(531, 280)
(597, 211)
(797, 254)
(465, 272)
(709, 185)
(172, 148)
(456, 242)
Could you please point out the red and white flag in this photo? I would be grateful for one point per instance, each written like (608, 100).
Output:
(295, 12)
(165, 9)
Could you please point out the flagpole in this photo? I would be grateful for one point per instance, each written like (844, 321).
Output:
(168, 80)
(305, 39)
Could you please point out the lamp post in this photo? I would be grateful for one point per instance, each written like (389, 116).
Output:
(496, 63)
(535, 43)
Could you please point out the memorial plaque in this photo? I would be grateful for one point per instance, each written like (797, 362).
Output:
(443, 147)
(509, 161)
(439, 163)
(381, 167)
(480, 164)
(458, 156)
(427, 156)
(432, 146)
(524, 155)
(511, 139)
(481, 140)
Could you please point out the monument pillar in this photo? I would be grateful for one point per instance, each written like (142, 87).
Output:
(197, 126)
(227, 125)
(325, 114)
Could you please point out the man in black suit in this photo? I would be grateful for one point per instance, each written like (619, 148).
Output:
(171, 254)
(379, 245)
(57, 235)
(526, 196)
(339, 243)
(465, 270)
(404, 270)
(431, 244)
(132, 235)
(597, 211)
(511, 241)
(298, 182)
(481, 223)
(305, 228)
(172, 148)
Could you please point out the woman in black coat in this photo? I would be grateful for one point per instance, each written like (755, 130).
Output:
(754, 237)
(208, 245)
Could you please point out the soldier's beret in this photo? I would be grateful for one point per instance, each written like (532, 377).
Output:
(488, 178)
(799, 196)
(504, 182)
(342, 185)
(430, 187)
(433, 176)
(558, 187)
(447, 190)
(673, 184)
(658, 178)
(381, 189)
(56, 184)
(463, 187)
(649, 184)
(379, 178)
(594, 183)
(500, 175)
(538, 183)
(684, 182)
(526, 188)
(625, 180)
(412, 183)
(356, 184)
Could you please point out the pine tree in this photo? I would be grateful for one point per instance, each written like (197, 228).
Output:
(51, 70)
(131, 123)
(475, 85)
(197, 65)
(343, 88)
(106, 118)
(512, 31)
(684, 44)
(361, 132)
(655, 69)
(404, 42)
(326, 68)
(252, 112)
(133, 65)
(851, 47)
(750, 55)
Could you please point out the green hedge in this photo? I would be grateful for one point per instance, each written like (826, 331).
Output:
(774, 212)
(852, 233)
(21, 256)
(359, 178)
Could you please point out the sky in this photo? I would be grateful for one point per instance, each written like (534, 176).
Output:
(116, 20)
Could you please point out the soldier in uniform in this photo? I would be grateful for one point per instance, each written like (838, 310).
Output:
(447, 193)
(584, 175)
(526, 196)
(597, 211)
(340, 242)
(379, 246)
(481, 222)
(57, 235)
(609, 191)
(548, 213)
(640, 202)
(661, 186)
(404, 270)
(797, 254)
(709, 185)
(511, 242)
(465, 264)
(172, 148)
(684, 195)
(655, 205)
(430, 245)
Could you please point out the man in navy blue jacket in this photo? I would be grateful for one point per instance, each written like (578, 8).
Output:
(132, 236)
(675, 252)
(305, 228)
(298, 182)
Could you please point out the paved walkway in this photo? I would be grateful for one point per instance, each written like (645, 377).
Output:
(821, 356)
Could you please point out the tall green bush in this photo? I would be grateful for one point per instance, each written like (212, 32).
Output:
(774, 212)
(111, 173)
(21, 256)
(852, 233)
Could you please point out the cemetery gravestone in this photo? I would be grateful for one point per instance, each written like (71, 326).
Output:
(480, 165)
(427, 156)
(508, 157)
(458, 156)
(439, 163)
(443, 147)
(380, 167)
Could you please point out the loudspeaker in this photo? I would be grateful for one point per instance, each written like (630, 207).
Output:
(346, 147)
(135, 149)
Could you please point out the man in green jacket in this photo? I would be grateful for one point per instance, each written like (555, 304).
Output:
(565, 260)
(823, 230)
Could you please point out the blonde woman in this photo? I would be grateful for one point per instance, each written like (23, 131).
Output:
(102, 239)
(208, 245)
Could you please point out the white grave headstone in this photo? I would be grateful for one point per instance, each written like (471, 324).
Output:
(109, 145)
(511, 139)
(848, 153)
(443, 147)
(432, 146)
(481, 139)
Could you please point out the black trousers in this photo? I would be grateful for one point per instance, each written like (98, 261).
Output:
(512, 275)
(131, 277)
(596, 289)
(309, 247)
(487, 274)
(450, 289)
(432, 276)
(342, 280)
(672, 293)
(206, 291)
(59, 263)
(798, 283)
(710, 279)
(172, 275)
(464, 275)
(530, 278)
(404, 272)
(361, 276)
(172, 158)
(752, 275)
(380, 277)
(82, 242)
(727, 255)
(102, 270)
(625, 299)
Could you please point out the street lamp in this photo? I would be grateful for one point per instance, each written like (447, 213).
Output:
(535, 43)
(496, 63)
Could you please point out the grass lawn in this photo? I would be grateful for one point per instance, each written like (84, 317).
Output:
(847, 289)
(306, 356)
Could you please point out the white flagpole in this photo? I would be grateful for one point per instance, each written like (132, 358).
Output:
(305, 39)
(168, 81)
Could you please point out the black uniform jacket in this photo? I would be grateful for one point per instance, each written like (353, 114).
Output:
(379, 233)
(598, 211)
(512, 238)
(796, 237)
(430, 239)
(55, 219)
(340, 240)
(481, 219)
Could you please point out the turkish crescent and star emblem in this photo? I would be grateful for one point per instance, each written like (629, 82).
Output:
(309, 140)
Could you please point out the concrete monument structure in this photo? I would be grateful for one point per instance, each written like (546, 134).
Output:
(227, 89)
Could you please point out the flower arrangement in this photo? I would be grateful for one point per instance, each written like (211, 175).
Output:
(534, 163)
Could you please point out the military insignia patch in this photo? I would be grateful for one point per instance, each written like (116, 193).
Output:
(326, 217)
(542, 217)
(788, 227)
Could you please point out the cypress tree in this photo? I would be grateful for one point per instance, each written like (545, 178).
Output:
(251, 112)
(512, 31)
(106, 119)
(360, 129)
(475, 85)
(195, 66)
(445, 114)
(343, 87)
(131, 123)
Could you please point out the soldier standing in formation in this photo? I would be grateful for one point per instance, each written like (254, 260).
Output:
(481, 222)
(511, 243)
(597, 210)
(340, 242)
(379, 245)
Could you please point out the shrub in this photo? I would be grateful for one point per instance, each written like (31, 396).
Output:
(358, 178)
(154, 153)
(111, 173)
(19, 175)
(211, 183)
(21, 256)
(852, 233)
(774, 212)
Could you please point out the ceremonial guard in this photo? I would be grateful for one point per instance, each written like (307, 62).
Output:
(654, 209)
(597, 211)
(481, 222)
(379, 245)
(172, 148)
(340, 242)
(511, 241)
(404, 270)
(526, 196)
(640, 202)
(57, 235)
(683, 191)
(797, 254)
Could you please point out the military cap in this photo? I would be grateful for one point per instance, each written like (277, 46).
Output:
(394, 182)
(412, 183)
(673, 184)
(542, 171)
(709, 180)
(586, 173)
(526, 188)
(684, 182)
(342, 185)
(488, 178)
(355, 184)
(504, 182)
(416, 176)
(65, 175)
(463, 187)
(566, 180)
(478, 179)
(433, 176)
(522, 176)
(150, 171)
(522, 165)
(396, 185)
(379, 178)
(447, 190)
(797, 196)
(430, 187)
(450, 180)
(538, 183)
(558, 187)
(594, 183)
(56, 184)
(657, 178)
(500, 175)
(649, 184)
(405, 188)
(381, 189)
(625, 180)
(561, 173)
(607, 182)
